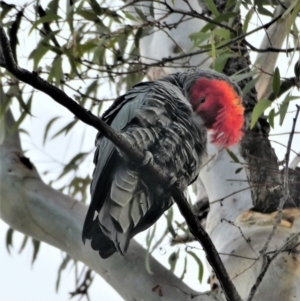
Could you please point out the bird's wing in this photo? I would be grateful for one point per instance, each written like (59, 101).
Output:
(152, 116)
(107, 159)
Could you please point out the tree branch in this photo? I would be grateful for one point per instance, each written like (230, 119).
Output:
(87, 117)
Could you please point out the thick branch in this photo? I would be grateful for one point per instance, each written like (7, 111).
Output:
(87, 117)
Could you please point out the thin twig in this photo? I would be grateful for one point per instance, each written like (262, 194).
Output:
(247, 240)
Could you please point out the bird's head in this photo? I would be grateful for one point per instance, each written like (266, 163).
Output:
(218, 103)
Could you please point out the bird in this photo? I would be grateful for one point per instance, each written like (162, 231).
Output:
(168, 119)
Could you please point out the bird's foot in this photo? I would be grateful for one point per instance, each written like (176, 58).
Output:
(148, 159)
(172, 181)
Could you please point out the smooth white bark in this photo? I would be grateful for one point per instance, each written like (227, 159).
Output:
(239, 235)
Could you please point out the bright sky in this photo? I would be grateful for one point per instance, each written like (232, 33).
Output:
(22, 281)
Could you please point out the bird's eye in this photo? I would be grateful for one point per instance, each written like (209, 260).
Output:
(202, 100)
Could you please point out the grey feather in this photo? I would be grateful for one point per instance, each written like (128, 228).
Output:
(153, 116)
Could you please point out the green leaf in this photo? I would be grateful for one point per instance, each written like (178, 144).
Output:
(87, 15)
(18, 122)
(236, 8)
(200, 265)
(52, 7)
(149, 238)
(233, 156)
(211, 6)
(294, 15)
(122, 42)
(129, 16)
(96, 7)
(93, 87)
(241, 76)
(249, 86)
(184, 268)
(271, 118)
(247, 20)
(141, 14)
(65, 129)
(291, 98)
(159, 241)
(221, 18)
(48, 126)
(230, 3)
(285, 86)
(169, 218)
(70, 8)
(46, 19)
(70, 55)
(199, 37)
(151, 10)
(222, 32)
(284, 107)
(239, 170)
(262, 10)
(56, 71)
(290, 8)
(62, 266)
(221, 61)
(213, 50)
(42, 48)
(173, 258)
(25, 106)
(258, 110)
(276, 82)
(5, 102)
(87, 47)
(73, 164)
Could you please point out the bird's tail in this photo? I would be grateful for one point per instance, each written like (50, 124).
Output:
(100, 242)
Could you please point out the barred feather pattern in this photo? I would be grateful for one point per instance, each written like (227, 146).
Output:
(156, 117)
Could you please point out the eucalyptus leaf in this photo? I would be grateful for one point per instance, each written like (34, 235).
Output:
(276, 81)
(200, 265)
(258, 110)
(46, 19)
(271, 118)
(172, 260)
(233, 156)
(212, 7)
(62, 266)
